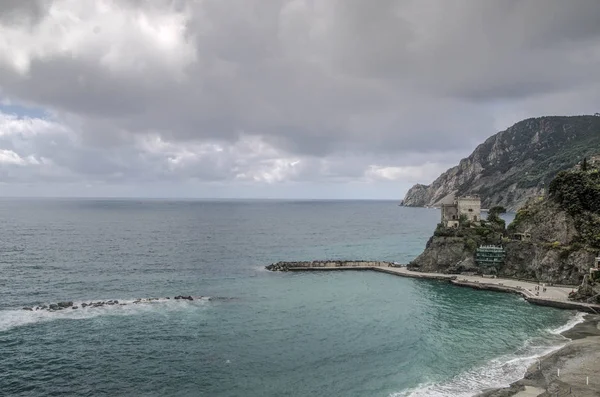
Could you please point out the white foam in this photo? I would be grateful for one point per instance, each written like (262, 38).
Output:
(577, 319)
(496, 373)
(18, 317)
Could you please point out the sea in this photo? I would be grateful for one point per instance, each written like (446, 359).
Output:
(247, 331)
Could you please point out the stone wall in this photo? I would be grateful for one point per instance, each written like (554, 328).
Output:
(286, 266)
(470, 207)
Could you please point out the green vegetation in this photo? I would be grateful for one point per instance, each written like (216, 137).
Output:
(530, 154)
(494, 216)
(489, 232)
(578, 193)
(522, 215)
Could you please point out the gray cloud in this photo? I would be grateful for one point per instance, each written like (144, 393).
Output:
(241, 90)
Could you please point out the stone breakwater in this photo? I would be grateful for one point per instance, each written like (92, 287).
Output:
(327, 265)
(53, 307)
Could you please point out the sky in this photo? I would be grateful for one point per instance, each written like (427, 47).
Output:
(340, 99)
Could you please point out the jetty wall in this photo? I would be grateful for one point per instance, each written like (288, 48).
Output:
(327, 265)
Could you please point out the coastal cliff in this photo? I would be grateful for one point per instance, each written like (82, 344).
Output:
(553, 238)
(516, 164)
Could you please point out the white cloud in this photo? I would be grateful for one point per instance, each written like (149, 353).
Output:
(265, 93)
(413, 174)
(114, 33)
(10, 157)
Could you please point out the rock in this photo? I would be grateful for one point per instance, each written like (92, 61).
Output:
(499, 166)
(74, 307)
(65, 304)
(53, 306)
(28, 309)
(84, 305)
(116, 302)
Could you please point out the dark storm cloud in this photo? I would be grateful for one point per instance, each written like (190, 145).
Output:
(23, 11)
(311, 81)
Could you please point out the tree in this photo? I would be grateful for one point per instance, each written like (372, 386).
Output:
(495, 212)
(494, 216)
(584, 164)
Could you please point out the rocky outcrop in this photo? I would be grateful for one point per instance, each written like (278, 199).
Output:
(554, 251)
(417, 196)
(52, 307)
(444, 255)
(515, 164)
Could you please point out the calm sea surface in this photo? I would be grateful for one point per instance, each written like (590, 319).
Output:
(264, 334)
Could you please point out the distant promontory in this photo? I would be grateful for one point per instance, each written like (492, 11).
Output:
(516, 164)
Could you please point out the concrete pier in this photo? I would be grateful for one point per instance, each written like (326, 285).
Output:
(554, 296)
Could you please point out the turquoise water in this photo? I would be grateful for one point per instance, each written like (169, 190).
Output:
(267, 334)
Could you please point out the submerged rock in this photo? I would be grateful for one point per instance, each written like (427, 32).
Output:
(28, 309)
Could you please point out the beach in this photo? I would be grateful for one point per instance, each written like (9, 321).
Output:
(566, 371)
(571, 370)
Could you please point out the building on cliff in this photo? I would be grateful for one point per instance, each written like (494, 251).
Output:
(489, 258)
(467, 207)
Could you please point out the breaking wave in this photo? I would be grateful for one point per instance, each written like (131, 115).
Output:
(13, 318)
(499, 372)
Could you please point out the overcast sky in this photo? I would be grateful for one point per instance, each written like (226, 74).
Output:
(276, 98)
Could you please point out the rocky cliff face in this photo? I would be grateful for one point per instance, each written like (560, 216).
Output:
(555, 253)
(562, 232)
(515, 164)
(445, 255)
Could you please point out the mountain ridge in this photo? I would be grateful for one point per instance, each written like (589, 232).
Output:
(515, 164)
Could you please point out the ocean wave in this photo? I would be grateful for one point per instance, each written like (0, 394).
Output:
(577, 319)
(13, 318)
(499, 372)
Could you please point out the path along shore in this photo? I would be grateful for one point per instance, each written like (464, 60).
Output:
(570, 371)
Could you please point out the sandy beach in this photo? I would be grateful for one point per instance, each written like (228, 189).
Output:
(566, 371)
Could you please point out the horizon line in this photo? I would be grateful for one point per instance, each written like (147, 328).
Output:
(194, 198)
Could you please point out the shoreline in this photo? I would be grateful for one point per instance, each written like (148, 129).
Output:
(571, 370)
(565, 371)
(552, 296)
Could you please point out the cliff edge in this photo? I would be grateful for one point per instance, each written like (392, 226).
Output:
(553, 239)
(516, 164)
